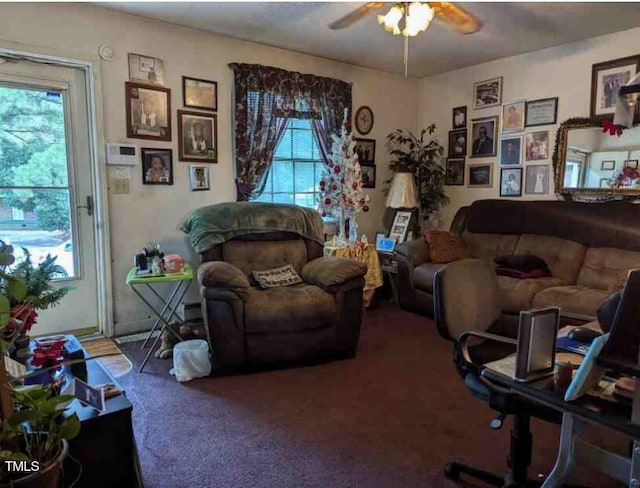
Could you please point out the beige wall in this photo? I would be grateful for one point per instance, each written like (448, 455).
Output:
(149, 212)
(563, 71)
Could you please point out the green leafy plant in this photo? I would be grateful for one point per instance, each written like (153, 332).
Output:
(421, 155)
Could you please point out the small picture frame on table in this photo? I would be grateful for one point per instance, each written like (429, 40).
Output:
(403, 221)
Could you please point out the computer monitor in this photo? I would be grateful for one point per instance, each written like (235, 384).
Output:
(621, 350)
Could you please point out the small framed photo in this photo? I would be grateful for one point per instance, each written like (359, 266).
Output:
(510, 151)
(537, 179)
(483, 135)
(402, 221)
(197, 137)
(454, 172)
(146, 69)
(157, 166)
(459, 118)
(606, 80)
(202, 94)
(368, 176)
(541, 112)
(537, 146)
(457, 143)
(487, 93)
(94, 397)
(198, 177)
(631, 163)
(366, 150)
(608, 165)
(511, 182)
(513, 116)
(480, 175)
(148, 112)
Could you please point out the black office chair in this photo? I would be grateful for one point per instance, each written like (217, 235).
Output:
(467, 309)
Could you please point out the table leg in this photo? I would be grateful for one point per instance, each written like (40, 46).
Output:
(571, 428)
(172, 311)
(393, 281)
(164, 310)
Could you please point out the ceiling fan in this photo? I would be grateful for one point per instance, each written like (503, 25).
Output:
(409, 19)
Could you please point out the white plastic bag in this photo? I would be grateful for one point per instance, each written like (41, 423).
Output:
(191, 360)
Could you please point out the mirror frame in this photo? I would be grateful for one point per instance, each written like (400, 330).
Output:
(559, 164)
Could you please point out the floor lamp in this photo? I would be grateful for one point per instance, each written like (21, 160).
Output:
(402, 196)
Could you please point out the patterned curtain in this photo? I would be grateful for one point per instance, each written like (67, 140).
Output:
(265, 97)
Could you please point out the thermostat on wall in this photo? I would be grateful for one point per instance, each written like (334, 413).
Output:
(122, 154)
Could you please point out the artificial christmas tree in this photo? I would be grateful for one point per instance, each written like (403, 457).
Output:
(341, 193)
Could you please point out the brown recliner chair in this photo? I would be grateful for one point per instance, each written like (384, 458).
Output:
(318, 319)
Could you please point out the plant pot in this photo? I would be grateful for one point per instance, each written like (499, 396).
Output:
(48, 476)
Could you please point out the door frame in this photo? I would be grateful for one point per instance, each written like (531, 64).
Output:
(90, 64)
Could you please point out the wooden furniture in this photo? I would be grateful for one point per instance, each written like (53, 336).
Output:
(106, 446)
(389, 266)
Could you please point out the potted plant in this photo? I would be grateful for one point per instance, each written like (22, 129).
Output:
(33, 427)
(421, 155)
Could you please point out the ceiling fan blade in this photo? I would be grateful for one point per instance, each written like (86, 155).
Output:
(456, 17)
(353, 17)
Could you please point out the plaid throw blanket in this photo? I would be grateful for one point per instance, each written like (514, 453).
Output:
(215, 224)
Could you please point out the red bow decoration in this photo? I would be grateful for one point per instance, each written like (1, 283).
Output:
(52, 354)
(611, 128)
(27, 314)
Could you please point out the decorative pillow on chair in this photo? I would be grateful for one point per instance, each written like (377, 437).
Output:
(445, 246)
(272, 278)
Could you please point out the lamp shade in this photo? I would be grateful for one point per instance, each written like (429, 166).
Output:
(402, 193)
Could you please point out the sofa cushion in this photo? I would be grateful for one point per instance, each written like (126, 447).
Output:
(488, 246)
(288, 309)
(574, 300)
(444, 246)
(563, 257)
(603, 267)
(251, 256)
(517, 295)
(423, 275)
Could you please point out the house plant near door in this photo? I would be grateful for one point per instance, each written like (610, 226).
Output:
(33, 427)
(421, 155)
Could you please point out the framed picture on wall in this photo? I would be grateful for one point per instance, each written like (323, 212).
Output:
(197, 137)
(157, 166)
(537, 179)
(454, 172)
(457, 143)
(513, 116)
(487, 93)
(608, 165)
(511, 182)
(146, 69)
(510, 150)
(631, 163)
(198, 177)
(606, 80)
(368, 176)
(483, 136)
(366, 150)
(541, 112)
(537, 146)
(197, 93)
(459, 118)
(480, 175)
(148, 112)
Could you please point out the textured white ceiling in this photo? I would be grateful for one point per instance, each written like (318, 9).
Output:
(509, 29)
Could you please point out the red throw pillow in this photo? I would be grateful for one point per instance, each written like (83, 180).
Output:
(445, 247)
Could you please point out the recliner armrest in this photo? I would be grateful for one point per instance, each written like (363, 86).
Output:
(219, 274)
(330, 271)
(415, 252)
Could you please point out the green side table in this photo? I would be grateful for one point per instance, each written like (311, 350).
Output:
(170, 304)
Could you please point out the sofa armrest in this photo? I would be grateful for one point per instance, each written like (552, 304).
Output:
(414, 253)
(330, 271)
(221, 275)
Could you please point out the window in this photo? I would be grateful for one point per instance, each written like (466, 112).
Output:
(296, 169)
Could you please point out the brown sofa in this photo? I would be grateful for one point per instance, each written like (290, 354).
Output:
(587, 246)
(315, 320)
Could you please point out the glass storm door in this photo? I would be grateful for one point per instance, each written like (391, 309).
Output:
(46, 198)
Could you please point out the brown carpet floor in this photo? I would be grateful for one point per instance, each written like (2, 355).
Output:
(391, 417)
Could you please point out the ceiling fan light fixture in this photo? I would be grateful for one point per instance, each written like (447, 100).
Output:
(419, 16)
(391, 21)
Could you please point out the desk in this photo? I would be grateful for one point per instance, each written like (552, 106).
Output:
(170, 304)
(576, 414)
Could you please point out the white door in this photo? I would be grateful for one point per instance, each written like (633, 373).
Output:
(46, 183)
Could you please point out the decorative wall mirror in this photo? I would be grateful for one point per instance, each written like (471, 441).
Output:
(588, 161)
